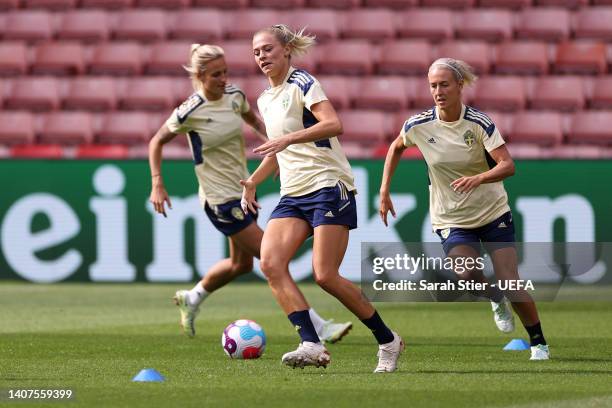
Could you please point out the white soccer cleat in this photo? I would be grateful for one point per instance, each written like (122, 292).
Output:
(388, 354)
(307, 354)
(334, 332)
(502, 313)
(540, 352)
(188, 312)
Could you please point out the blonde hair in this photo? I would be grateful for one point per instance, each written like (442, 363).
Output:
(199, 56)
(462, 71)
(298, 42)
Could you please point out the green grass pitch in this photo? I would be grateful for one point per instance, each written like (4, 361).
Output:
(95, 338)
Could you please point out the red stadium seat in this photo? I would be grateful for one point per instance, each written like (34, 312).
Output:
(28, 26)
(365, 127)
(581, 58)
(116, 59)
(307, 62)
(393, 4)
(580, 152)
(382, 93)
(13, 58)
(50, 4)
(594, 22)
(339, 4)
(563, 93)
(368, 24)
(34, 94)
(202, 26)
(59, 59)
(124, 128)
(484, 24)
(9, 4)
(278, 4)
(141, 25)
(16, 128)
(169, 4)
(512, 4)
(107, 4)
(591, 127)
(500, 93)
(239, 57)
(84, 25)
(356, 150)
(228, 4)
(253, 87)
(601, 93)
(91, 93)
(322, 23)
(522, 58)
(540, 128)
(420, 95)
(429, 24)
(404, 58)
(37, 152)
(92, 151)
(543, 24)
(351, 57)
(66, 128)
(562, 3)
(337, 90)
(503, 122)
(449, 3)
(168, 58)
(475, 53)
(153, 94)
(243, 24)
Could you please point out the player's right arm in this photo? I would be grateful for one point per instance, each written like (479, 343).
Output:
(391, 160)
(159, 195)
(249, 187)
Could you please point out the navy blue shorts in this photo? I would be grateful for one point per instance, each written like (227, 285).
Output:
(499, 233)
(228, 217)
(327, 206)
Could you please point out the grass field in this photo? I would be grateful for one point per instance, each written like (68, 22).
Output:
(95, 338)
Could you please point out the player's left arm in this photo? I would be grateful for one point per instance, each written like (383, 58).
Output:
(503, 169)
(256, 123)
(328, 125)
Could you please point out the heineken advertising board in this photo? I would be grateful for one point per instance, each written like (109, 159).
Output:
(91, 220)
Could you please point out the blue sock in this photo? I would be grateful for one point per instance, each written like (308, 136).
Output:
(379, 329)
(303, 325)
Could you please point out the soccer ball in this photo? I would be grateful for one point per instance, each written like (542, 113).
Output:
(243, 339)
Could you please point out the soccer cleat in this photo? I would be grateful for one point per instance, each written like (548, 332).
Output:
(188, 312)
(307, 354)
(388, 354)
(502, 314)
(333, 332)
(540, 352)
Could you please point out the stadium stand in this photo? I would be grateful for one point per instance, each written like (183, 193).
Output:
(102, 74)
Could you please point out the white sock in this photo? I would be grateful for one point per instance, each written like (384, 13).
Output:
(317, 321)
(197, 294)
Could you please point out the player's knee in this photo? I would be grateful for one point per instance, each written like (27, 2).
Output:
(326, 281)
(271, 266)
(241, 268)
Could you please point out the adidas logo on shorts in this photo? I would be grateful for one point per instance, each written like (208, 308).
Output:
(502, 225)
(329, 214)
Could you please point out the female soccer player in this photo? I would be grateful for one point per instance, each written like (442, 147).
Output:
(467, 161)
(212, 117)
(317, 196)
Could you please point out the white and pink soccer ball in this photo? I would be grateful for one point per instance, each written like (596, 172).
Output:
(243, 339)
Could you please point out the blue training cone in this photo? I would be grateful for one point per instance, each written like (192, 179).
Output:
(517, 344)
(148, 375)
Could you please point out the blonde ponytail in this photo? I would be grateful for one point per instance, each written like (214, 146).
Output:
(298, 42)
(461, 70)
(199, 56)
